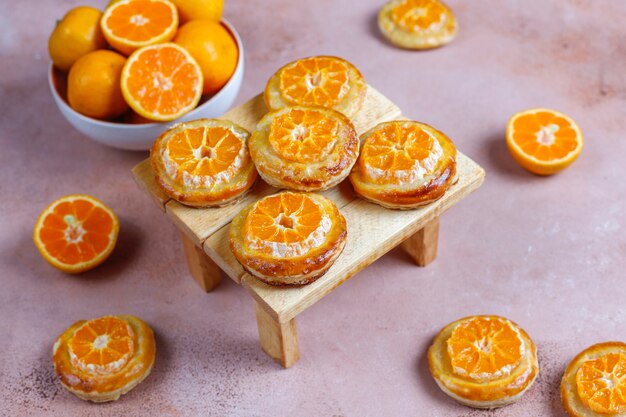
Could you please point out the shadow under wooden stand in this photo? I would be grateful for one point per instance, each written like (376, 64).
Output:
(372, 232)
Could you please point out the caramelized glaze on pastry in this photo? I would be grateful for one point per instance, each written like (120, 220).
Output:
(404, 165)
(325, 81)
(483, 361)
(304, 148)
(288, 238)
(417, 24)
(594, 383)
(204, 163)
(98, 360)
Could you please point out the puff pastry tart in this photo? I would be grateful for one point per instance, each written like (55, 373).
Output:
(98, 360)
(204, 163)
(483, 361)
(417, 24)
(404, 165)
(304, 148)
(594, 383)
(288, 238)
(325, 81)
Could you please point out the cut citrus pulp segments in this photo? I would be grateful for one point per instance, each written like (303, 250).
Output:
(315, 81)
(485, 348)
(601, 383)
(286, 224)
(399, 153)
(102, 345)
(324, 81)
(418, 15)
(215, 153)
(543, 141)
(204, 162)
(76, 233)
(417, 24)
(303, 135)
(162, 82)
(131, 24)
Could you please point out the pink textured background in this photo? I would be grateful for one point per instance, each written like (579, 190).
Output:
(548, 253)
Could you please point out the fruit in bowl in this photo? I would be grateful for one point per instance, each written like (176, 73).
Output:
(77, 34)
(93, 85)
(195, 68)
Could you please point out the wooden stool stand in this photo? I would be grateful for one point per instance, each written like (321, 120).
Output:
(372, 232)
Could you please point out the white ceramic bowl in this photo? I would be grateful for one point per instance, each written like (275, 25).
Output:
(141, 136)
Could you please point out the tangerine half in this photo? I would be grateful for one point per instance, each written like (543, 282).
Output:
(131, 24)
(76, 233)
(162, 82)
(543, 141)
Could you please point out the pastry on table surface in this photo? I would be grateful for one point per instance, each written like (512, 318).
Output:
(288, 238)
(204, 163)
(404, 164)
(417, 24)
(325, 81)
(98, 360)
(483, 361)
(304, 148)
(594, 383)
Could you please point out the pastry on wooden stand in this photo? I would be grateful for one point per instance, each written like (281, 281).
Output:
(483, 361)
(98, 360)
(304, 148)
(325, 81)
(288, 238)
(204, 163)
(404, 165)
(594, 383)
(417, 24)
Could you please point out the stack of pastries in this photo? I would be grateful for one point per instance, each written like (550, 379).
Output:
(305, 143)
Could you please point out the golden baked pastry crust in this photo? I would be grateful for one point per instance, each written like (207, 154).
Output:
(494, 393)
(304, 148)
(409, 33)
(569, 390)
(201, 184)
(103, 387)
(299, 263)
(350, 91)
(426, 181)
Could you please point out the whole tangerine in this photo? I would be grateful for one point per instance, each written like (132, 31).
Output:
(214, 48)
(93, 85)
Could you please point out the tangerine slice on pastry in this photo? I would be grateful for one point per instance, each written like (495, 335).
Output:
(404, 165)
(304, 148)
(417, 24)
(204, 163)
(483, 361)
(324, 81)
(98, 360)
(288, 238)
(594, 383)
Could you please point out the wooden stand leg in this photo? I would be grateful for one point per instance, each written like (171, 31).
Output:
(422, 246)
(202, 268)
(278, 340)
